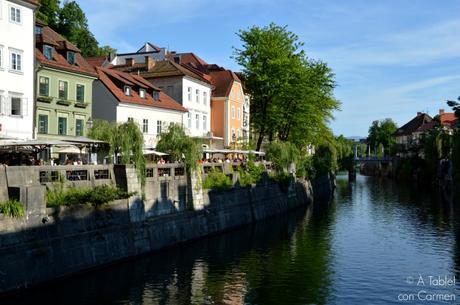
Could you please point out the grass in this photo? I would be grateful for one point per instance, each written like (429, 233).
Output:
(12, 208)
(99, 195)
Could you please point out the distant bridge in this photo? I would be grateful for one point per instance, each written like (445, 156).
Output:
(358, 160)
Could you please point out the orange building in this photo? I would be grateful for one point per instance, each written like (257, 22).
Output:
(228, 109)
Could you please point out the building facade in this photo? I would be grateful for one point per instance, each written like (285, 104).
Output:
(64, 87)
(17, 68)
(188, 86)
(122, 97)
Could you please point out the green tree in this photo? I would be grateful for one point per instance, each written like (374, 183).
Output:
(344, 148)
(381, 133)
(48, 12)
(125, 140)
(292, 96)
(180, 146)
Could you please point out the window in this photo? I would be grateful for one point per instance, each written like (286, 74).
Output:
(130, 120)
(127, 90)
(15, 14)
(156, 95)
(189, 90)
(44, 86)
(16, 61)
(158, 127)
(189, 119)
(42, 123)
(142, 93)
(71, 58)
(38, 29)
(197, 121)
(233, 112)
(205, 97)
(79, 123)
(48, 52)
(1, 57)
(80, 93)
(16, 105)
(238, 113)
(62, 126)
(205, 123)
(197, 95)
(63, 90)
(145, 126)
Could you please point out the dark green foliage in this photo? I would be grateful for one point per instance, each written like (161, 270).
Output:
(305, 167)
(217, 180)
(99, 195)
(345, 155)
(325, 159)
(252, 174)
(12, 208)
(180, 146)
(456, 158)
(48, 12)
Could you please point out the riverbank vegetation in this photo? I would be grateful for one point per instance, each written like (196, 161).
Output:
(12, 208)
(96, 196)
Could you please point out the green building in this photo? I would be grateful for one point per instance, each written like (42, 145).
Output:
(64, 87)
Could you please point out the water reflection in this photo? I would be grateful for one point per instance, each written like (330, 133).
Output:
(360, 248)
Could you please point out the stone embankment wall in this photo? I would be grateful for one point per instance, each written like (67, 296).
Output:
(50, 243)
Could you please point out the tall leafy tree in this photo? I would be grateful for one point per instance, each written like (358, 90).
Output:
(292, 96)
(381, 133)
(48, 12)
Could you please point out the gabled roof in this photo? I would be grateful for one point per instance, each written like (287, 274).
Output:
(143, 49)
(61, 46)
(223, 81)
(422, 122)
(115, 81)
(188, 58)
(163, 68)
(97, 61)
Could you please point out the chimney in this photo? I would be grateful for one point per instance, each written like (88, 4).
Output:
(419, 113)
(441, 111)
(149, 62)
(130, 62)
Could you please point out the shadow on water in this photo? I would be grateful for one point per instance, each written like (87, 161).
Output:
(238, 267)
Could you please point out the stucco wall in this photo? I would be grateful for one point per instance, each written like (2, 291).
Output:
(17, 37)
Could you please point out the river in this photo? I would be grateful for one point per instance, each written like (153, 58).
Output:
(375, 242)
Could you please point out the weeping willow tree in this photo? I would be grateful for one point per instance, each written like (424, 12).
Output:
(125, 140)
(180, 146)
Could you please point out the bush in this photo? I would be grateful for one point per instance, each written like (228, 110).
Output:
(217, 180)
(282, 154)
(283, 179)
(12, 208)
(252, 174)
(97, 196)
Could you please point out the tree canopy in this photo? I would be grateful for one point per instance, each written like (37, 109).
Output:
(291, 95)
(381, 134)
(70, 21)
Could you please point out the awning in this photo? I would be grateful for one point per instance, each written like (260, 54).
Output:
(32, 143)
(68, 150)
(153, 152)
(83, 140)
(233, 151)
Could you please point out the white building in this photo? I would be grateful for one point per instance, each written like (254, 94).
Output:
(122, 97)
(188, 86)
(17, 73)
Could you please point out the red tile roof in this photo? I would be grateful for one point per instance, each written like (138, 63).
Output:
(97, 61)
(223, 82)
(164, 68)
(61, 46)
(116, 80)
(448, 119)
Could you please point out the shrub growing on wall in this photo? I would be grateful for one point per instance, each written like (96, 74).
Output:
(12, 208)
(217, 180)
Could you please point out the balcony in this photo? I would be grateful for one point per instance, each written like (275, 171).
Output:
(45, 99)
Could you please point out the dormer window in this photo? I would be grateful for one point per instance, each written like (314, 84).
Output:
(38, 29)
(48, 52)
(127, 90)
(142, 93)
(71, 57)
(156, 95)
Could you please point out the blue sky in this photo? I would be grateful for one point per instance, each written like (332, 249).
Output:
(391, 58)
